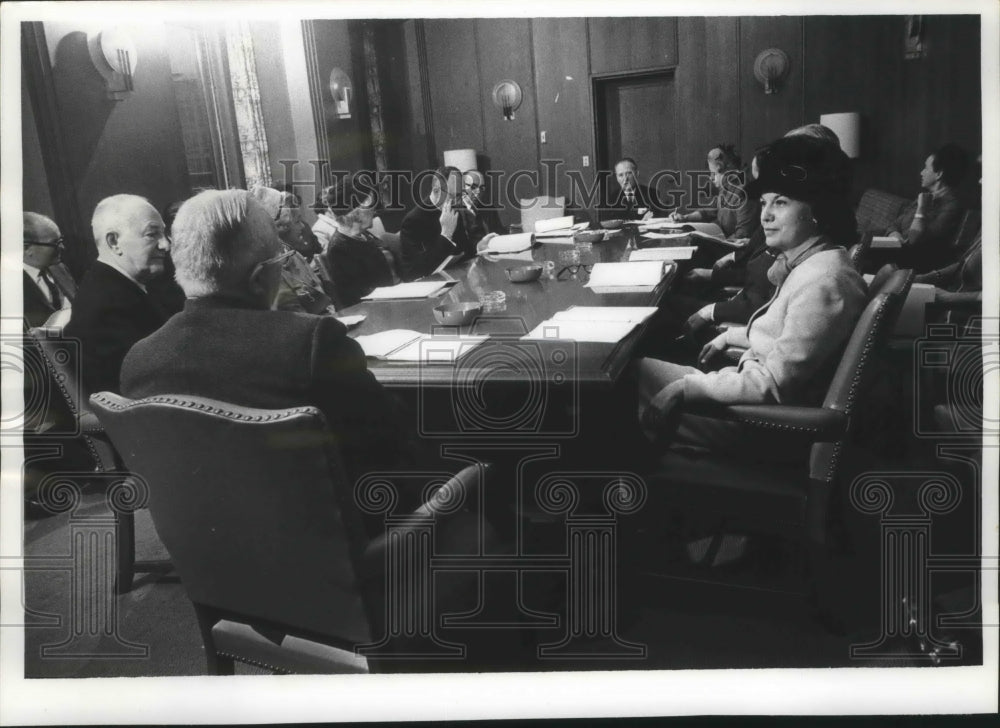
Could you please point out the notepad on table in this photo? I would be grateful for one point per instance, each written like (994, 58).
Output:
(636, 314)
(407, 345)
(645, 273)
(683, 252)
(665, 236)
(603, 332)
(415, 289)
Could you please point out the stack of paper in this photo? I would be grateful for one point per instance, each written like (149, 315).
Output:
(510, 243)
(625, 277)
(416, 289)
(683, 252)
(604, 332)
(407, 345)
(566, 231)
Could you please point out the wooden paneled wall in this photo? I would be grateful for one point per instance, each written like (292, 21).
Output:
(838, 63)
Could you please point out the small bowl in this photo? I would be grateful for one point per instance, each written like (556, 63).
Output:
(524, 273)
(612, 224)
(457, 314)
(589, 236)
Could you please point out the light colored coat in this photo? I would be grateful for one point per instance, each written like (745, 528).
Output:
(808, 321)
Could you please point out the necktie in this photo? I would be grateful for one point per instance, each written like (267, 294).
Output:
(52, 288)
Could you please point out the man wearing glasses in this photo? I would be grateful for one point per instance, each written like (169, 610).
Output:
(481, 221)
(48, 286)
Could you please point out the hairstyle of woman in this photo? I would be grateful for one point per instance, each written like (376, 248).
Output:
(812, 170)
(726, 155)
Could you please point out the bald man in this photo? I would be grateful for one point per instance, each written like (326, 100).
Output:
(48, 286)
(113, 308)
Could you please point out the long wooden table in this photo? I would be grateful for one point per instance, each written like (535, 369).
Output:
(527, 304)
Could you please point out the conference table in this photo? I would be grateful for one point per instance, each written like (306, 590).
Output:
(592, 365)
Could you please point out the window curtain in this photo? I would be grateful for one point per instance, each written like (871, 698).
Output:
(246, 104)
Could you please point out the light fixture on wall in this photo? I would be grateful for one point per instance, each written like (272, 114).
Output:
(770, 68)
(113, 53)
(507, 96)
(847, 126)
(341, 89)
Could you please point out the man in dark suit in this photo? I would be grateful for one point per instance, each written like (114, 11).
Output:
(627, 199)
(47, 286)
(228, 344)
(435, 230)
(481, 221)
(113, 308)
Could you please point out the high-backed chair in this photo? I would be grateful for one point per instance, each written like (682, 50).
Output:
(789, 500)
(540, 208)
(60, 357)
(859, 251)
(257, 514)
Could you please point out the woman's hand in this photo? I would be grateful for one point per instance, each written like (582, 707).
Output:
(677, 216)
(663, 406)
(711, 349)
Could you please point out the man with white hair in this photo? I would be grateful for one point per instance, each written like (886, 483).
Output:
(229, 344)
(48, 286)
(113, 308)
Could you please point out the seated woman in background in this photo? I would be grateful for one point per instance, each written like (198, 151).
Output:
(301, 288)
(735, 212)
(354, 256)
(794, 341)
(928, 226)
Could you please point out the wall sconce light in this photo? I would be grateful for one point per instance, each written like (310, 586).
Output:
(770, 68)
(507, 96)
(341, 89)
(847, 127)
(112, 51)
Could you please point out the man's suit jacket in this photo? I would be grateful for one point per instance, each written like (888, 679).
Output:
(110, 314)
(37, 307)
(224, 349)
(618, 207)
(423, 248)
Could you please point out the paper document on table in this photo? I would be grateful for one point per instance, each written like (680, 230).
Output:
(683, 252)
(636, 314)
(510, 243)
(651, 221)
(554, 223)
(602, 332)
(416, 289)
(646, 273)
(664, 236)
(886, 242)
(436, 349)
(380, 344)
(524, 256)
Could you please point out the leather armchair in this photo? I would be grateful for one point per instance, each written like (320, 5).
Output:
(267, 536)
(58, 355)
(789, 500)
